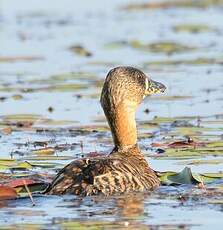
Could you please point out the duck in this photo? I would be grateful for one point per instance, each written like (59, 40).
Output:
(125, 168)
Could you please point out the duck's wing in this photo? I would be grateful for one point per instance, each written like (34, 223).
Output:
(78, 177)
(93, 176)
(106, 175)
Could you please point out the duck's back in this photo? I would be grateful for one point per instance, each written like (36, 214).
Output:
(116, 173)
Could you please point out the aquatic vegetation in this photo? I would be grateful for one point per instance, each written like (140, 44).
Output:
(51, 68)
(80, 50)
(193, 28)
(193, 62)
(174, 4)
(168, 47)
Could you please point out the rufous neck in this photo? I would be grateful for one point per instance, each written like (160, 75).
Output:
(121, 120)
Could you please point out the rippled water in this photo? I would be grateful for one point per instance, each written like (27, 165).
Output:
(35, 60)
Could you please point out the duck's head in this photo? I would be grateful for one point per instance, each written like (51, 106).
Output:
(128, 85)
(123, 90)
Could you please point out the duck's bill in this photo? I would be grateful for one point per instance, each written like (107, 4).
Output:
(154, 87)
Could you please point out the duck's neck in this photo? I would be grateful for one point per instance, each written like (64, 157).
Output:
(122, 122)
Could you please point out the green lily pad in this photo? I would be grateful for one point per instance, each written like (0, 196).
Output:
(167, 47)
(192, 28)
(186, 176)
(162, 47)
(72, 87)
(190, 131)
(14, 165)
(216, 201)
(22, 117)
(116, 44)
(173, 4)
(44, 151)
(170, 98)
(202, 162)
(33, 188)
(21, 58)
(183, 177)
(215, 144)
(47, 158)
(193, 152)
(45, 164)
(195, 62)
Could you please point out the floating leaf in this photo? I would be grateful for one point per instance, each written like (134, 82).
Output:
(21, 166)
(7, 162)
(179, 144)
(186, 176)
(192, 28)
(64, 87)
(49, 122)
(7, 193)
(220, 202)
(193, 152)
(163, 120)
(14, 165)
(6, 131)
(174, 4)
(80, 50)
(116, 44)
(20, 182)
(170, 98)
(190, 131)
(21, 59)
(185, 144)
(162, 47)
(215, 144)
(202, 162)
(168, 47)
(17, 96)
(47, 158)
(45, 164)
(34, 188)
(196, 61)
(213, 175)
(21, 118)
(183, 177)
(44, 151)
(25, 226)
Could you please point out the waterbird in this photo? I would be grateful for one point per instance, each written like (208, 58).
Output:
(125, 169)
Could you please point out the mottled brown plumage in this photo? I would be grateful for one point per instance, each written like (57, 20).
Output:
(125, 168)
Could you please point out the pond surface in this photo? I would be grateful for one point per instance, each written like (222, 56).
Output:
(54, 56)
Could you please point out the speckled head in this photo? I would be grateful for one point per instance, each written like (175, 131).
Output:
(128, 83)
